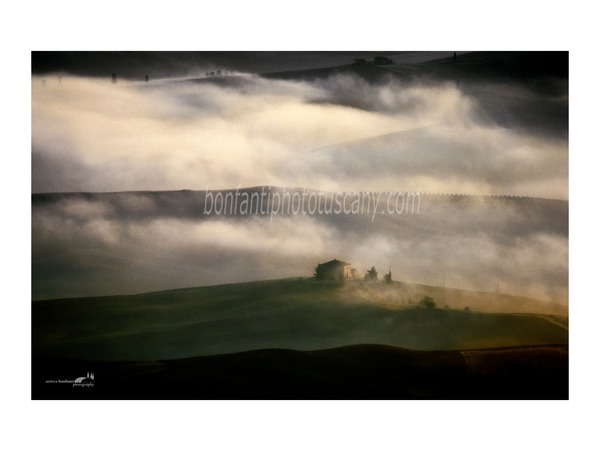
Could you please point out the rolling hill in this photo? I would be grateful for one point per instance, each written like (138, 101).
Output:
(351, 372)
(294, 314)
(300, 339)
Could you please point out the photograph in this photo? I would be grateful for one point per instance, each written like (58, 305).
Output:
(300, 225)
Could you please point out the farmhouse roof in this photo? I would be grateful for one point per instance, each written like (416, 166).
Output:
(336, 262)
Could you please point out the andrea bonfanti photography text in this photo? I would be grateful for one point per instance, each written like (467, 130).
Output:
(83, 381)
(272, 201)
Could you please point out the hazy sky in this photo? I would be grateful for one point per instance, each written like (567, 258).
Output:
(339, 131)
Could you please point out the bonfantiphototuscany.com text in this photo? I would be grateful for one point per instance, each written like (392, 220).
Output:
(271, 202)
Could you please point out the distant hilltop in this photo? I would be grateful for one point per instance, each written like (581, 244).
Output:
(377, 61)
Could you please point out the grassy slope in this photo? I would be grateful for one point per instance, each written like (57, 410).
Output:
(293, 314)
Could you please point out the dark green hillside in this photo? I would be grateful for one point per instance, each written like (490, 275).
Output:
(291, 314)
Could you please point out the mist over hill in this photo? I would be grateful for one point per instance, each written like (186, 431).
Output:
(479, 125)
(129, 242)
(467, 127)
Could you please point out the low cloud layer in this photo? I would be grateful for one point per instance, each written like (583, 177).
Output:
(340, 132)
(96, 245)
